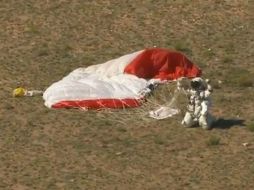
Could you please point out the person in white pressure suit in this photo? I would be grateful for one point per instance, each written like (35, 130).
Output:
(199, 104)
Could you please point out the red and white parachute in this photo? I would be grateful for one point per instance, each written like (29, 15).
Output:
(117, 83)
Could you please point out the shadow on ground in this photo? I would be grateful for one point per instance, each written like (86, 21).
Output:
(228, 123)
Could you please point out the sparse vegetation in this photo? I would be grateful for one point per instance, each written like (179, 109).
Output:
(250, 127)
(239, 77)
(180, 46)
(228, 60)
(245, 81)
(159, 140)
(42, 41)
(213, 141)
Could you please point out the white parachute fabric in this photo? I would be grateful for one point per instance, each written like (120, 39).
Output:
(103, 81)
(112, 67)
(163, 112)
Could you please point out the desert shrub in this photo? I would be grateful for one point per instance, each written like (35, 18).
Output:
(250, 127)
(227, 59)
(180, 46)
(213, 141)
(245, 81)
(159, 140)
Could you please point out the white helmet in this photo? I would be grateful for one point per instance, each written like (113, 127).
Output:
(198, 84)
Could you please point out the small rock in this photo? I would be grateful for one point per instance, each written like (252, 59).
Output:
(246, 144)
(119, 153)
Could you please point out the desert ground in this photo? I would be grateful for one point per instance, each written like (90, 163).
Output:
(41, 148)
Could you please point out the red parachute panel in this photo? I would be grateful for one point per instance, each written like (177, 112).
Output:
(162, 64)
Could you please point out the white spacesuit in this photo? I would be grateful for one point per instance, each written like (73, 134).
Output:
(199, 103)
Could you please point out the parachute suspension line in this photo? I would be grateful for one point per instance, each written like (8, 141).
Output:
(114, 103)
(140, 115)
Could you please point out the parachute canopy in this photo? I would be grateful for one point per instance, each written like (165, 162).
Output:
(119, 83)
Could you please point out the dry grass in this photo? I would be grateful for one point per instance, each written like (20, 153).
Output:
(42, 41)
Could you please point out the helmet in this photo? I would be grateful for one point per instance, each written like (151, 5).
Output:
(197, 84)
